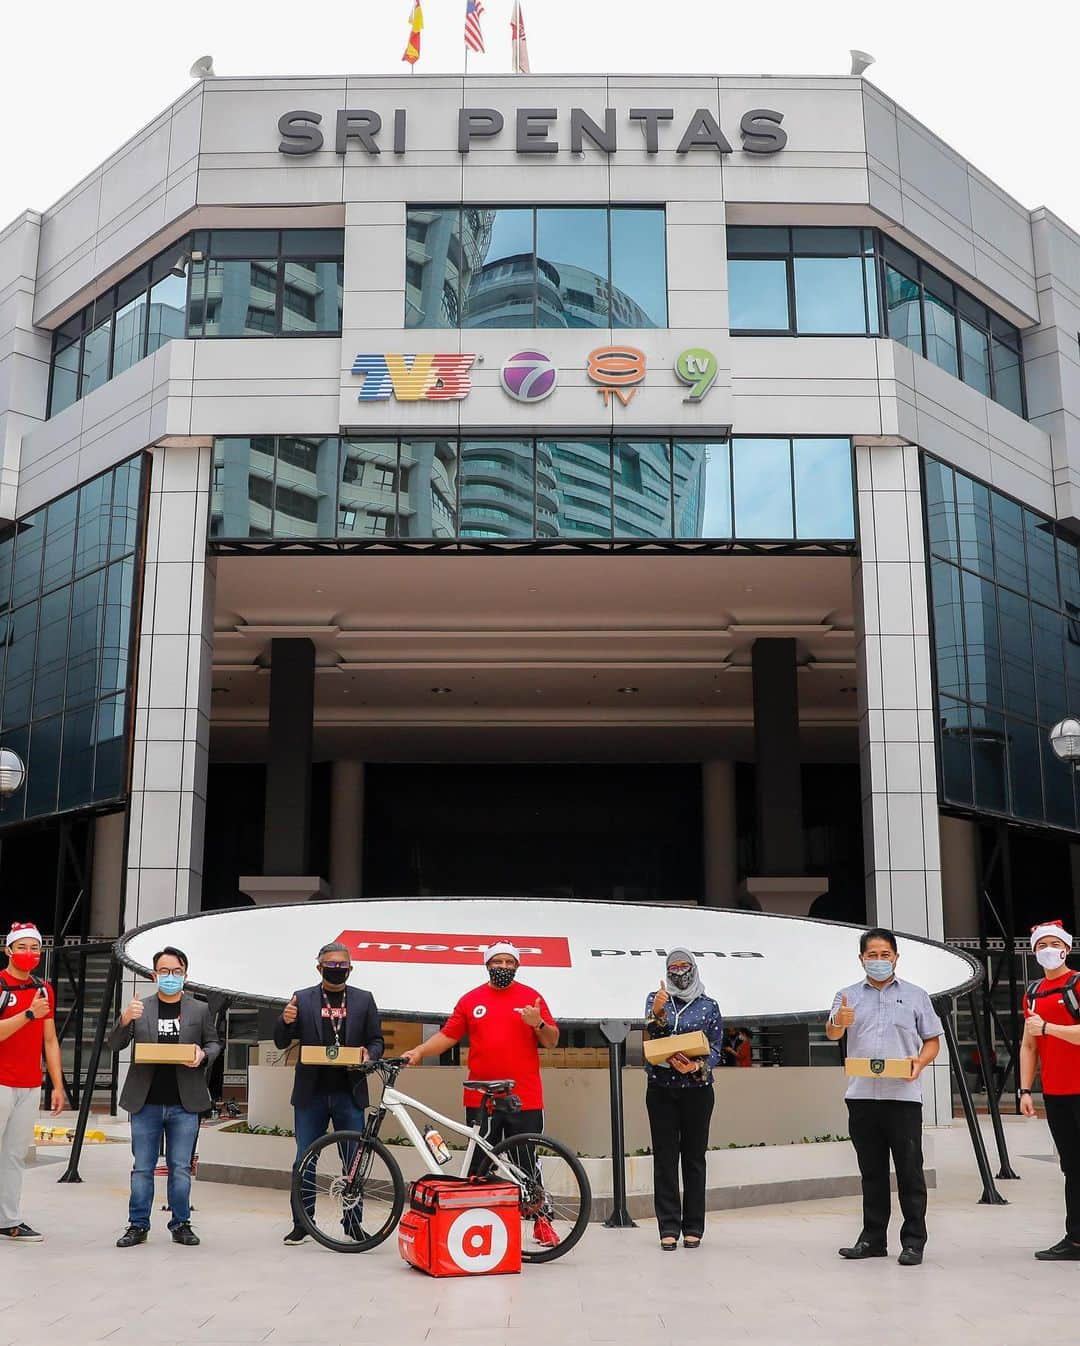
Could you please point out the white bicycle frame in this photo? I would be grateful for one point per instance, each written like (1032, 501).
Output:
(398, 1105)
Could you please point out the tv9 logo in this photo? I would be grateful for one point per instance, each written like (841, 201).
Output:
(528, 376)
(477, 1240)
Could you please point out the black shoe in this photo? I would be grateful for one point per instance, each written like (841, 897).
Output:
(691, 1241)
(22, 1233)
(1065, 1251)
(862, 1249)
(183, 1233)
(912, 1257)
(295, 1237)
(668, 1244)
(132, 1234)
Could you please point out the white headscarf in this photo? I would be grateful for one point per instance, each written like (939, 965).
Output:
(695, 989)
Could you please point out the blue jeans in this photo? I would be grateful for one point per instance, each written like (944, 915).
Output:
(312, 1120)
(180, 1129)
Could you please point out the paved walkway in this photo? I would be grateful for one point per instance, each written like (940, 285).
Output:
(769, 1276)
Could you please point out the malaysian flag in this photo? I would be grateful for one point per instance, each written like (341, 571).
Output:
(474, 38)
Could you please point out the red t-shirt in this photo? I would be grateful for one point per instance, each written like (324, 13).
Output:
(20, 1054)
(501, 1045)
(1059, 1061)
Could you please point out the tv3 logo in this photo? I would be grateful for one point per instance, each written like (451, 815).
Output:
(442, 377)
(477, 1240)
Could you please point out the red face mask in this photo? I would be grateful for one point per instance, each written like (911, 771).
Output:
(25, 959)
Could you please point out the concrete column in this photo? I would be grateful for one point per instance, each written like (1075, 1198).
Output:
(960, 877)
(719, 833)
(347, 829)
(287, 831)
(172, 692)
(778, 784)
(108, 874)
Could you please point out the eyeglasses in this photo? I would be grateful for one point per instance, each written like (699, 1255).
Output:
(329, 965)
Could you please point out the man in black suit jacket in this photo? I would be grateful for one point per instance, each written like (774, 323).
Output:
(330, 1015)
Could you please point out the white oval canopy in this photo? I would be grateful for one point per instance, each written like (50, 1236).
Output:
(590, 960)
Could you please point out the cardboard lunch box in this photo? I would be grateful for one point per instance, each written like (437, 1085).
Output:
(316, 1056)
(659, 1050)
(880, 1067)
(166, 1053)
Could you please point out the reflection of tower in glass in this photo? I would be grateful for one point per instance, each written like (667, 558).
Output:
(367, 491)
(497, 488)
(427, 489)
(688, 463)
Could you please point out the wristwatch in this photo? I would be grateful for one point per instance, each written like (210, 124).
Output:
(1021, 1092)
(29, 1016)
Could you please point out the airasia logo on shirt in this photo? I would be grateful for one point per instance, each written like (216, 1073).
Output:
(410, 946)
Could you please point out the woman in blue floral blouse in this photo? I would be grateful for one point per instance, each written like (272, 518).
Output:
(679, 1100)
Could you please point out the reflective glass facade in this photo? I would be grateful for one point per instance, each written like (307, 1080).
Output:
(589, 266)
(524, 488)
(67, 587)
(248, 283)
(1005, 593)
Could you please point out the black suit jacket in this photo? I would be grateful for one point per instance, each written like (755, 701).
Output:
(362, 1029)
(196, 1025)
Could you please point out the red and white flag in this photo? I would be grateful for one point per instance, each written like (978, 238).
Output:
(474, 38)
(517, 41)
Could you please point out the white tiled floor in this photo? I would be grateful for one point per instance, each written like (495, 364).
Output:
(768, 1275)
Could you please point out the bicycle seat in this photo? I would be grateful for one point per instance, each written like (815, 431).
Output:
(493, 1088)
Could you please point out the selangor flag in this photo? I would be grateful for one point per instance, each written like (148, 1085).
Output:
(412, 51)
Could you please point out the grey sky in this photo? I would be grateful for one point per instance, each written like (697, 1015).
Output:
(997, 81)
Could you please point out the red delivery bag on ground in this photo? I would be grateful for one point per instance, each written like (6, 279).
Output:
(455, 1227)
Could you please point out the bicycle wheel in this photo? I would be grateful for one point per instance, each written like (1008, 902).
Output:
(348, 1192)
(555, 1194)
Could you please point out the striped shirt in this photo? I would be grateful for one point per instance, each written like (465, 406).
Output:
(891, 1021)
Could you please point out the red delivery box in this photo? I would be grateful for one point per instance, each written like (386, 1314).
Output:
(456, 1227)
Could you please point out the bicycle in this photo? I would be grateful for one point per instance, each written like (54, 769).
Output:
(348, 1191)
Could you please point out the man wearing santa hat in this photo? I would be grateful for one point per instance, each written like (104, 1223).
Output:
(27, 1030)
(1052, 1045)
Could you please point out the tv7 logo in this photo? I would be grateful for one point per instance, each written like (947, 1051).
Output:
(414, 378)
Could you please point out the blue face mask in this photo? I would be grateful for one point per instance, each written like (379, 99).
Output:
(878, 969)
(168, 983)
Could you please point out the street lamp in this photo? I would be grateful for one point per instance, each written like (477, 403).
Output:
(1065, 741)
(13, 772)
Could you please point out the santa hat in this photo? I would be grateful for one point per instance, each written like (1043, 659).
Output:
(1054, 928)
(501, 946)
(22, 930)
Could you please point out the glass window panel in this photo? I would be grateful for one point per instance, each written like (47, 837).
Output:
(305, 491)
(572, 268)
(29, 548)
(829, 295)
(941, 510)
(903, 315)
(59, 541)
(870, 281)
(65, 378)
(427, 488)
(496, 488)
(51, 659)
(827, 242)
(1068, 573)
(973, 519)
(941, 333)
(7, 559)
(116, 627)
(128, 343)
(824, 500)
(757, 238)
(1058, 787)
(110, 732)
(77, 759)
(95, 365)
(367, 488)
(244, 243)
(494, 258)
(948, 629)
(976, 352)
(313, 243)
(92, 542)
(578, 504)
(763, 507)
(702, 478)
(1025, 777)
(43, 768)
(981, 641)
(758, 296)
(991, 767)
(1015, 622)
(242, 487)
(1041, 557)
(311, 297)
(1007, 379)
(18, 740)
(84, 644)
(955, 736)
(240, 299)
(126, 496)
(638, 268)
(1047, 631)
(1009, 542)
(641, 477)
(435, 263)
(168, 305)
(899, 258)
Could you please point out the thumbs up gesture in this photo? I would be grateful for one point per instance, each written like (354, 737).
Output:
(845, 1015)
(531, 1015)
(659, 1001)
(133, 1011)
(290, 1011)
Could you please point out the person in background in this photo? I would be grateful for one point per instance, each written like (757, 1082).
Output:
(887, 1018)
(738, 1049)
(27, 1030)
(165, 1101)
(1051, 1044)
(330, 1014)
(679, 1100)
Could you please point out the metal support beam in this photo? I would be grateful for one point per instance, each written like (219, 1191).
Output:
(990, 1196)
(616, 1032)
(983, 1045)
(71, 1173)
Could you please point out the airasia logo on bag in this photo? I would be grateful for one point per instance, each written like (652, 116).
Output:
(477, 1240)
(411, 946)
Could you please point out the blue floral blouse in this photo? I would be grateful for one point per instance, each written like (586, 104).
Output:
(702, 1014)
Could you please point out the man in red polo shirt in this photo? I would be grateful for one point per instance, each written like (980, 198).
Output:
(506, 1023)
(26, 1030)
(1052, 1043)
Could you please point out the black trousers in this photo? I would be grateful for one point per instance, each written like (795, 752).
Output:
(502, 1124)
(880, 1127)
(1063, 1116)
(679, 1122)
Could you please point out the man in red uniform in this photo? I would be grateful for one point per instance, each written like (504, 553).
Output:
(1052, 1043)
(506, 1023)
(26, 1030)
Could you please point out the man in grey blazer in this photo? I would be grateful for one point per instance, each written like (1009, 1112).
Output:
(165, 1100)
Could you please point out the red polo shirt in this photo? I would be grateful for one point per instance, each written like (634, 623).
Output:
(501, 1045)
(1059, 1061)
(20, 1054)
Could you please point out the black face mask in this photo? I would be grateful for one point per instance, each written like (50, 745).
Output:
(681, 980)
(501, 977)
(336, 976)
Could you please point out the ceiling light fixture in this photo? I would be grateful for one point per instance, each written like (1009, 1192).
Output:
(629, 691)
(442, 691)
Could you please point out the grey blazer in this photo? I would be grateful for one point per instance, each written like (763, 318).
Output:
(196, 1025)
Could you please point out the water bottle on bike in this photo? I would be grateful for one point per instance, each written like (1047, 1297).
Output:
(438, 1147)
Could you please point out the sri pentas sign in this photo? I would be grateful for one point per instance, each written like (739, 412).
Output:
(590, 960)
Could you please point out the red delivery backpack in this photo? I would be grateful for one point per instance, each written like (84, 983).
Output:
(462, 1227)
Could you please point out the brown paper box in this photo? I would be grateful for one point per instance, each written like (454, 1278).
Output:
(316, 1056)
(165, 1053)
(658, 1050)
(880, 1068)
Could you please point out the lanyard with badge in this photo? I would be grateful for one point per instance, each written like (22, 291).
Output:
(334, 1051)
